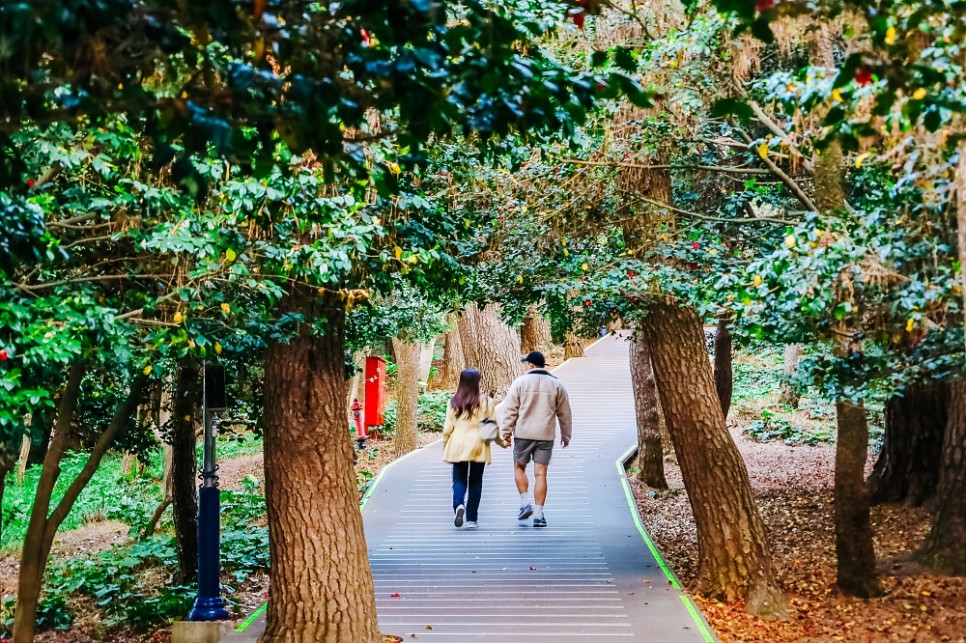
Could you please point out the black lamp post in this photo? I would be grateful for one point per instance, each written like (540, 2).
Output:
(208, 605)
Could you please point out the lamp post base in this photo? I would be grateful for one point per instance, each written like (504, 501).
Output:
(209, 608)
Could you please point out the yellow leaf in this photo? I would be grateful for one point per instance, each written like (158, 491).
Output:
(398, 252)
(191, 343)
(790, 241)
(199, 307)
(147, 369)
(226, 308)
(909, 324)
(919, 94)
(468, 223)
(763, 150)
(412, 259)
(376, 221)
(178, 317)
(394, 168)
(563, 242)
(757, 280)
(585, 266)
(837, 95)
(890, 37)
(519, 279)
(230, 254)
(664, 237)
(217, 348)
(859, 160)
(566, 252)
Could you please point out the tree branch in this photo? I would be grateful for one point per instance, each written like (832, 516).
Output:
(705, 217)
(706, 168)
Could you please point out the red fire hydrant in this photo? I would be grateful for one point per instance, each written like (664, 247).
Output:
(357, 418)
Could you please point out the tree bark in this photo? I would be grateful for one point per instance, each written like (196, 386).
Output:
(789, 395)
(426, 350)
(573, 346)
(453, 359)
(535, 333)
(407, 395)
(43, 525)
(853, 529)
(647, 405)
(908, 466)
(723, 373)
(944, 550)
(184, 467)
(733, 556)
(490, 346)
(322, 589)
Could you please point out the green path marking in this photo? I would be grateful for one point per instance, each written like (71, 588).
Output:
(672, 579)
(251, 619)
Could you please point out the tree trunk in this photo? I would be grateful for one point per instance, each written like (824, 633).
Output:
(573, 346)
(944, 550)
(453, 359)
(789, 395)
(8, 459)
(647, 405)
(184, 467)
(322, 589)
(407, 395)
(426, 350)
(490, 346)
(853, 530)
(907, 469)
(24, 455)
(723, 374)
(43, 525)
(733, 556)
(535, 333)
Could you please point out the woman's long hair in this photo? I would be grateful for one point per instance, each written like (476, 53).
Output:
(467, 398)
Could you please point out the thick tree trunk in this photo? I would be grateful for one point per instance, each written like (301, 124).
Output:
(490, 346)
(573, 346)
(407, 395)
(789, 395)
(647, 405)
(944, 550)
(733, 556)
(43, 525)
(454, 361)
(184, 466)
(907, 469)
(322, 589)
(723, 373)
(535, 333)
(853, 530)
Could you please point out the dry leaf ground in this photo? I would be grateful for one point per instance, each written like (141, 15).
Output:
(793, 486)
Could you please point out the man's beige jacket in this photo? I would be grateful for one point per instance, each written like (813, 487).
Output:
(534, 404)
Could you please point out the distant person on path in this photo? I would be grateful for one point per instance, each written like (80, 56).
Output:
(534, 405)
(464, 447)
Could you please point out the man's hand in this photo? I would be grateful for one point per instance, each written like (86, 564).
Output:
(564, 442)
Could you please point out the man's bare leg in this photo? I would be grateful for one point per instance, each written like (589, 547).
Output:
(539, 484)
(520, 476)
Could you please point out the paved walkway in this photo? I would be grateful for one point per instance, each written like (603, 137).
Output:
(593, 572)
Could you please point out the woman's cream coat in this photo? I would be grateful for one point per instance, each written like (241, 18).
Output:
(461, 436)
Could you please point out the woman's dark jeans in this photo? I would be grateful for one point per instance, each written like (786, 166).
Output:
(468, 475)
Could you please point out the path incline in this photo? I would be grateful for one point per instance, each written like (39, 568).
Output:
(591, 573)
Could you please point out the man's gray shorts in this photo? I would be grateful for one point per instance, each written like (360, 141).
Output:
(537, 450)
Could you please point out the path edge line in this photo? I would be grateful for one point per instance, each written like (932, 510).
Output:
(362, 504)
(621, 464)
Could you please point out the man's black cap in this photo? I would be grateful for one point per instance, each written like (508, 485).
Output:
(535, 358)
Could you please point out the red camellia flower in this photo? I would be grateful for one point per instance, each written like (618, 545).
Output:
(31, 183)
(764, 5)
(863, 75)
(4, 356)
(694, 266)
(587, 302)
(365, 35)
(695, 245)
(631, 273)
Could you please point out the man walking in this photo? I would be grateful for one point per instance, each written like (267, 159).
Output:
(534, 404)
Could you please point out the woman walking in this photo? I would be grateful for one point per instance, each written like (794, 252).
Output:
(465, 447)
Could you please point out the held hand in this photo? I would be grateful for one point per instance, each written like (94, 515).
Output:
(564, 442)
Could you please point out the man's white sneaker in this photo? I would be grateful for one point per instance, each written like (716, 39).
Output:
(471, 524)
(459, 516)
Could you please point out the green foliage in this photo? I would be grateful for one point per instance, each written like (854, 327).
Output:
(773, 427)
(430, 412)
